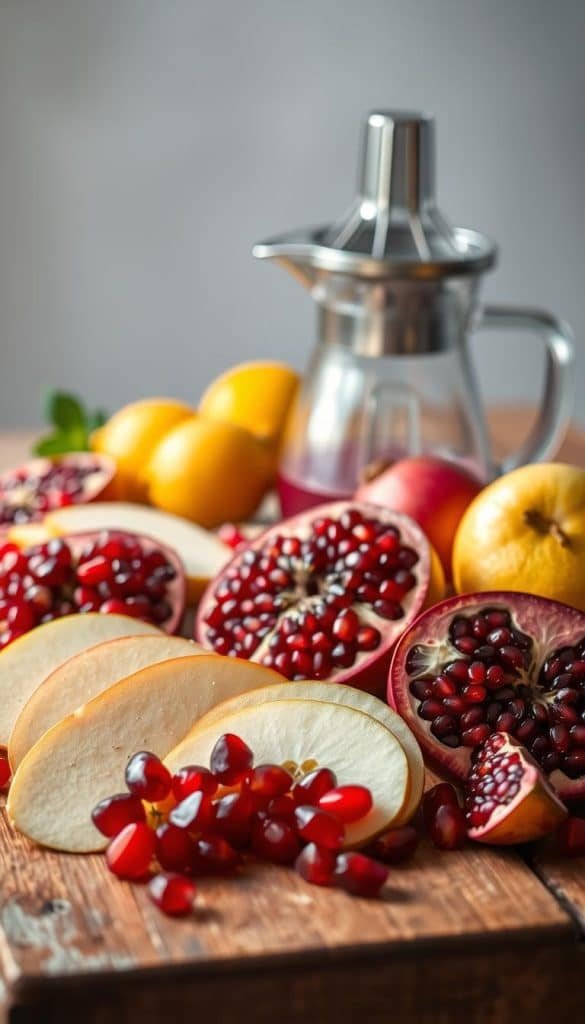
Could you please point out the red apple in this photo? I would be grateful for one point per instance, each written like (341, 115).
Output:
(432, 491)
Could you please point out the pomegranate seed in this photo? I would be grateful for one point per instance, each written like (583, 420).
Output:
(131, 851)
(231, 536)
(313, 786)
(274, 841)
(96, 570)
(173, 894)
(359, 875)
(477, 672)
(231, 759)
(442, 795)
(192, 779)
(346, 626)
(368, 638)
(316, 826)
(283, 808)
(571, 837)
(174, 848)
(473, 737)
(147, 777)
(347, 803)
(395, 846)
(447, 828)
(215, 856)
(111, 815)
(270, 780)
(233, 817)
(194, 813)
(316, 865)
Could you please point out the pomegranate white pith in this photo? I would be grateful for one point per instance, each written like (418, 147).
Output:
(507, 797)
(496, 662)
(31, 490)
(324, 595)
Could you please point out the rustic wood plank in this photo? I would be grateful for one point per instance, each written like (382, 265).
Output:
(565, 878)
(65, 914)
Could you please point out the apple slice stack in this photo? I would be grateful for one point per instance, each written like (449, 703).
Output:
(77, 707)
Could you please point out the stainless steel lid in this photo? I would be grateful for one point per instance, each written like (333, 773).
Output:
(393, 228)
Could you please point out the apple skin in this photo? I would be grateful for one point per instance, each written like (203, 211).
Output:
(432, 491)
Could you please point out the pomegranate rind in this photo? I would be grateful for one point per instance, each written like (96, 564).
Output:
(176, 593)
(551, 625)
(369, 669)
(92, 487)
(535, 812)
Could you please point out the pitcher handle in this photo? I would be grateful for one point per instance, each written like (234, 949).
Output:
(559, 385)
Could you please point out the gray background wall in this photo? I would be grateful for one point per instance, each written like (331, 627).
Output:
(146, 144)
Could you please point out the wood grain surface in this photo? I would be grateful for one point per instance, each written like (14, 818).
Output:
(480, 935)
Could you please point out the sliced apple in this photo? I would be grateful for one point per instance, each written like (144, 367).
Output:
(83, 677)
(27, 661)
(82, 759)
(203, 554)
(355, 746)
(338, 694)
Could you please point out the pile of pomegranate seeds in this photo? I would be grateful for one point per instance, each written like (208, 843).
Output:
(288, 601)
(113, 573)
(29, 492)
(205, 829)
(494, 685)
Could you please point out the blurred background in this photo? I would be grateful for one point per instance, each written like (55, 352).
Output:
(145, 146)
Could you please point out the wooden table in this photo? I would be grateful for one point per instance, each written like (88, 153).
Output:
(481, 936)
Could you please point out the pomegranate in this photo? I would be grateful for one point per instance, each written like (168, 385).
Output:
(433, 492)
(324, 595)
(89, 572)
(496, 662)
(508, 800)
(31, 490)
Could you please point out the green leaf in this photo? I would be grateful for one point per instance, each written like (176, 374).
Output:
(54, 444)
(65, 412)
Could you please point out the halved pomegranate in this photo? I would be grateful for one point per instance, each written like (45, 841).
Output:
(508, 800)
(324, 595)
(496, 662)
(31, 490)
(89, 572)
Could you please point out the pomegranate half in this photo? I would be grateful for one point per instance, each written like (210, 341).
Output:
(508, 800)
(496, 662)
(113, 571)
(31, 490)
(324, 595)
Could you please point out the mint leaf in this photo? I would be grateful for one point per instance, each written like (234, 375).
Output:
(65, 412)
(54, 444)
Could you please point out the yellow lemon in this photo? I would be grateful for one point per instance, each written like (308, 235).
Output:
(255, 396)
(131, 435)
(209, 472)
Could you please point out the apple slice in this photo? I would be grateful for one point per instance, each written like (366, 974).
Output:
(82, 759)
(338, 694)
(27, 661)
(203, 554)
(355, 746)
(83, 677)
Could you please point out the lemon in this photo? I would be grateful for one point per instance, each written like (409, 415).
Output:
(255, 396)
(131, 435)
(209, 472)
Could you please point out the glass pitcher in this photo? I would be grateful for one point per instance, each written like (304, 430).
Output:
(396, 289)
